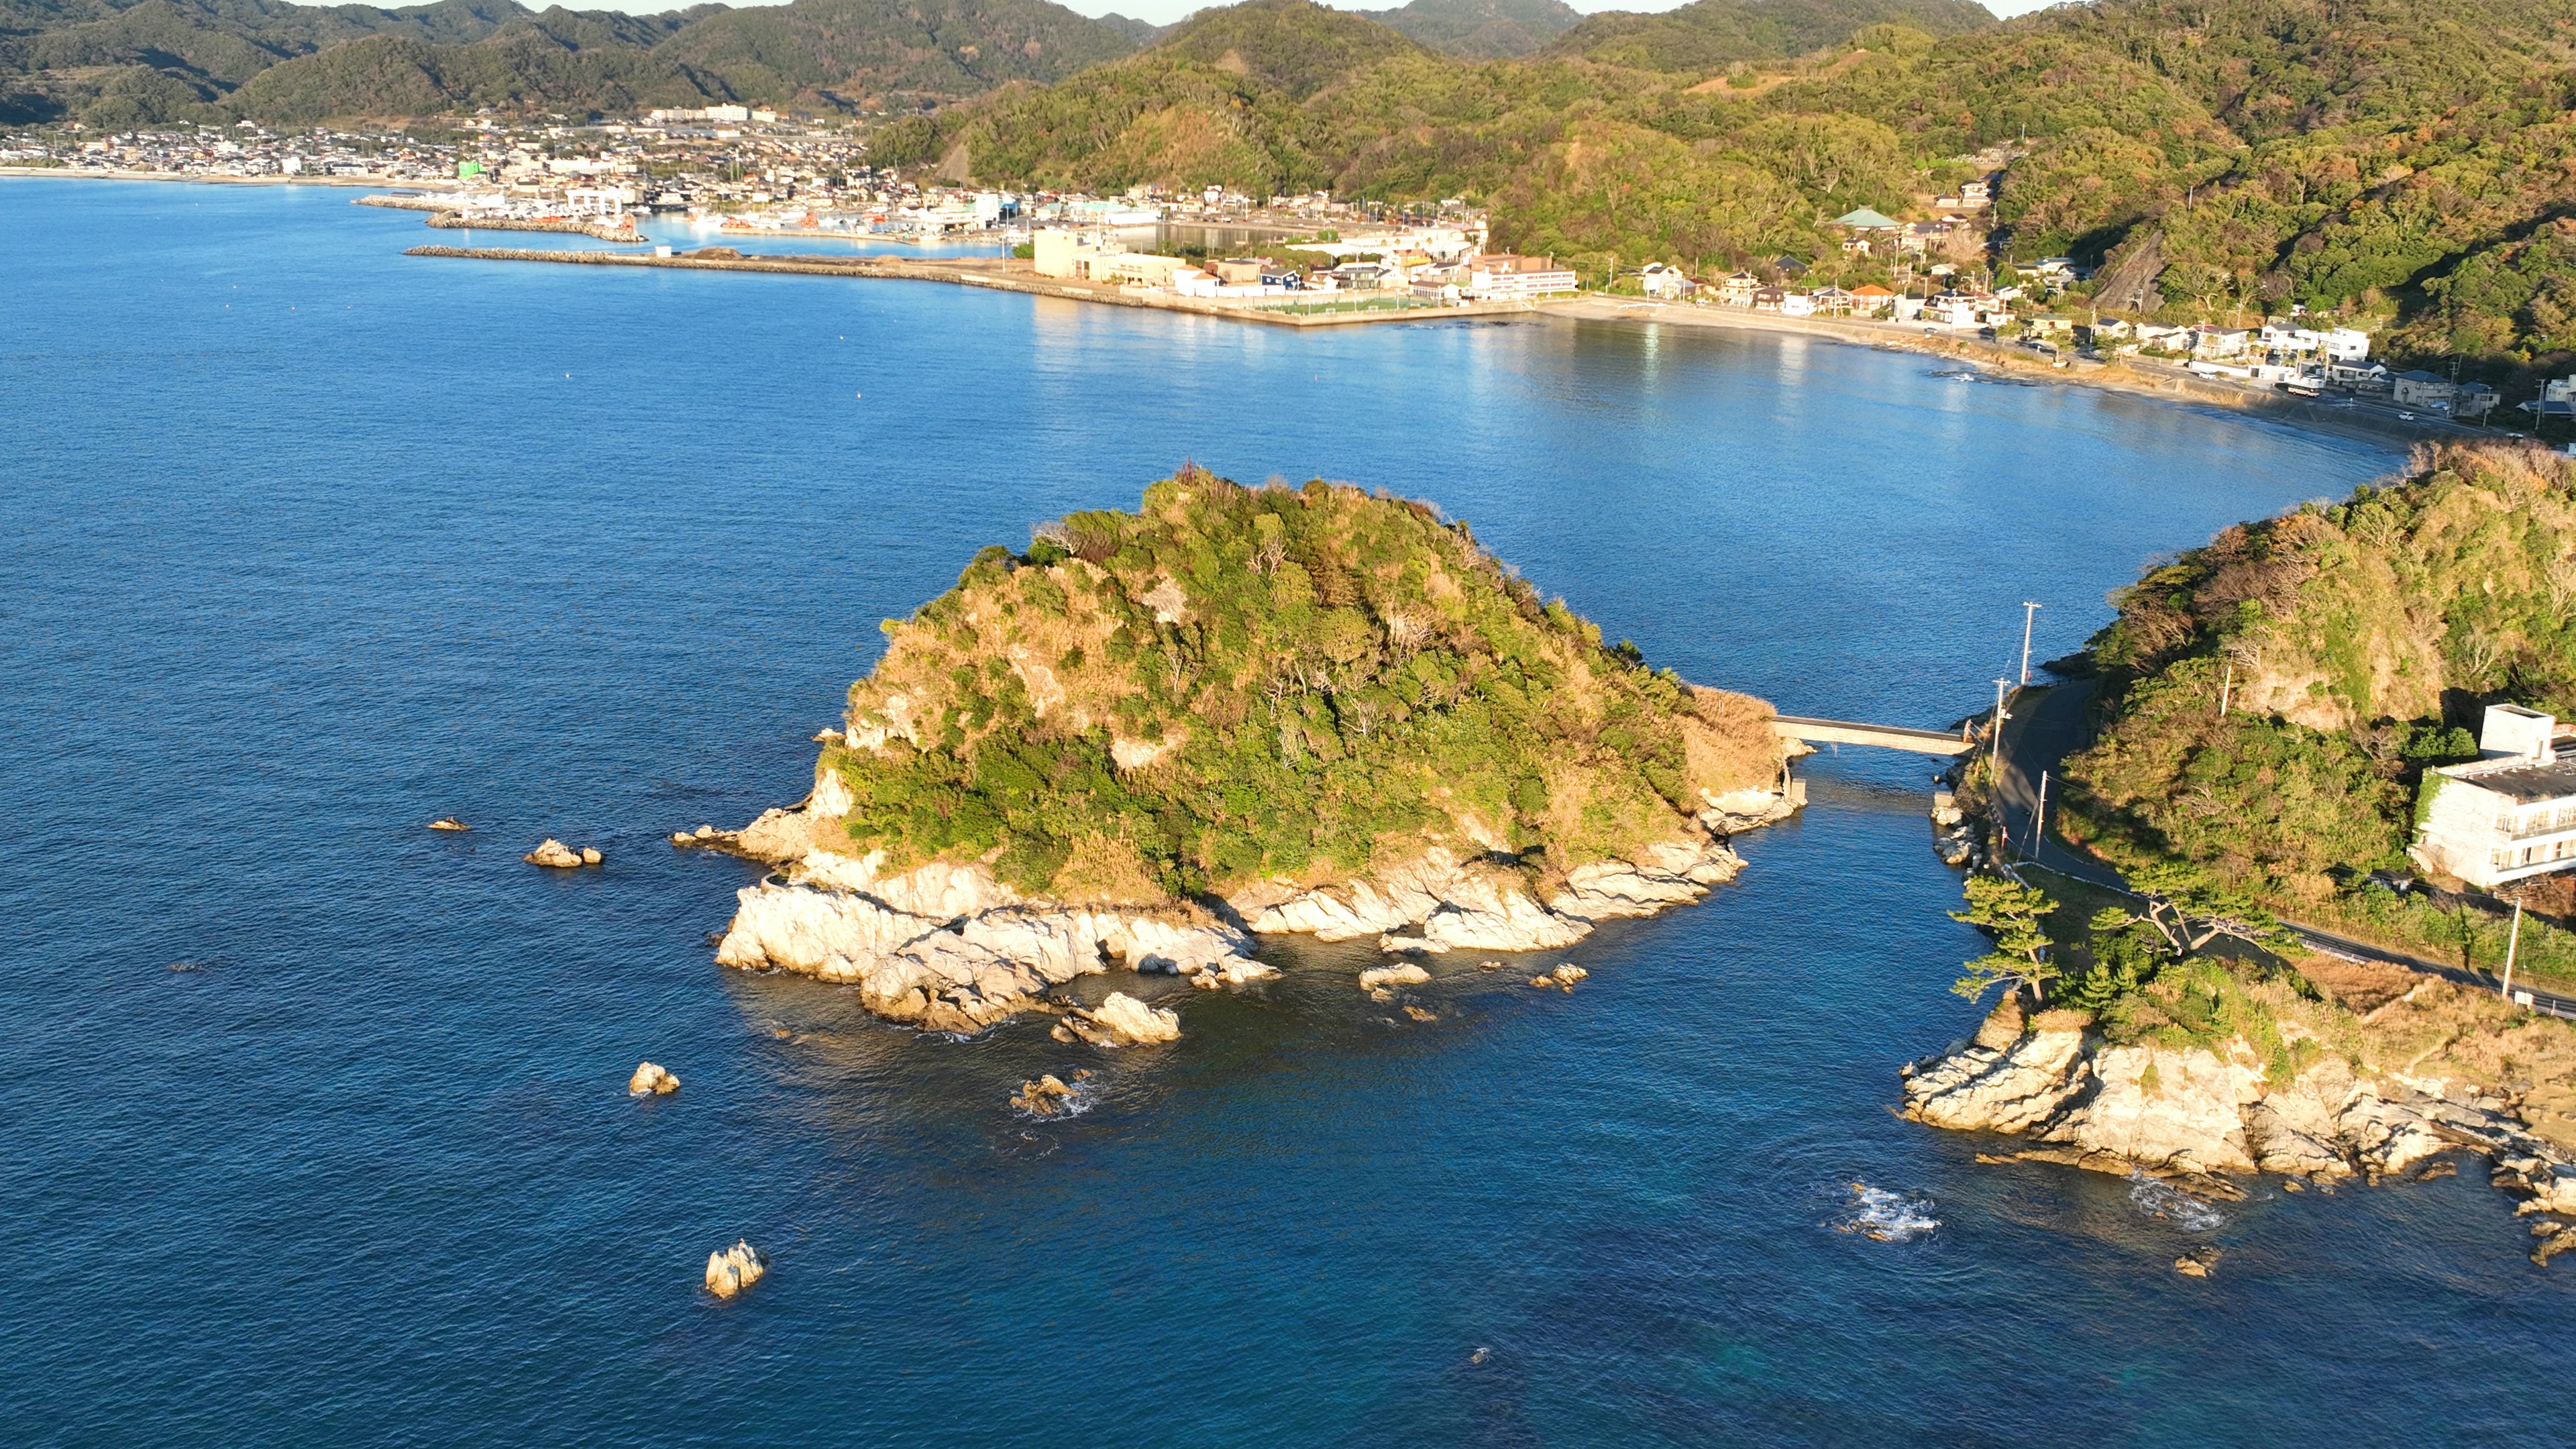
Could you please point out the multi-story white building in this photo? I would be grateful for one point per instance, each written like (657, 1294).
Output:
(2508, 815)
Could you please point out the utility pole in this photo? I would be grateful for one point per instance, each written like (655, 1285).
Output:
(2039, 819)
(2226, 687)
(2510, 943)
(1995, 744)
(2029, 611)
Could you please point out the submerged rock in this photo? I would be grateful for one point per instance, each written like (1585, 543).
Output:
(651, 1081)
(1379, 977)
(736, 1268)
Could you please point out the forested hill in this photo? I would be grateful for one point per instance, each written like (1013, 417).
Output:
(1481, 29)
(1711, 35)
(112, 65)
(2406, 163)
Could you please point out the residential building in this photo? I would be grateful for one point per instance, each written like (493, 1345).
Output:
(1735, 289)
(1870, 299)
(2421, 389)
(1659, 280)
(2508, 815)
(2217, 343)
(1502, 275)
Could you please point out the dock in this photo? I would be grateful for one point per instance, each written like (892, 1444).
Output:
(997, 273)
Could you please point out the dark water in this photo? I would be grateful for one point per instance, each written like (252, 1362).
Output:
(303, 543)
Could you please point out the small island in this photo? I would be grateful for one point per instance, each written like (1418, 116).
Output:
(1149, 737)
(2276, 717)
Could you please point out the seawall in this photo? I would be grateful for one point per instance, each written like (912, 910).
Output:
(996, 273)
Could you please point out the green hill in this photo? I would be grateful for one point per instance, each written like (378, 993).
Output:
(1238, 684)
(2355, 644)
(1480, 29)
(2404, 164)
(1710, 35)
(161, 60)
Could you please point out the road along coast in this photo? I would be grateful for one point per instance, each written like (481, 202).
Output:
(2004, 360)
(998, 273)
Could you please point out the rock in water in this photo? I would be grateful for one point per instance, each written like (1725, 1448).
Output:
(590, 855)
(1129, 1022)
(449, 822)
(1048, 1096)
(1377, 978)
(651, 1081)
(735, 1269)
(553, 853)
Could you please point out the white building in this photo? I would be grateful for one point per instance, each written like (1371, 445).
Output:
(2508, 815)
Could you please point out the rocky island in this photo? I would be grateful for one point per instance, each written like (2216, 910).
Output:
(1152, 736)
(2274, 713)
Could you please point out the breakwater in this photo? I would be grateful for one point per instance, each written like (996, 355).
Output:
(624, 231)
(1000, 274)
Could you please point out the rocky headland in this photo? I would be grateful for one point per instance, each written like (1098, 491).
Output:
(1153, 737)
(2382, 1095)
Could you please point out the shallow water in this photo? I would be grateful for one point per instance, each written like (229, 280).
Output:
(306, 543)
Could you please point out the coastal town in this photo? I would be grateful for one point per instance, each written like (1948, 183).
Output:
(732, 173)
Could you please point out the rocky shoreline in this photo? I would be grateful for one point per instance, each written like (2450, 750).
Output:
(2210, 1116)
(951, 948)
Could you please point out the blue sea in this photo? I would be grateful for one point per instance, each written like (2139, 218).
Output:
(316, 1123)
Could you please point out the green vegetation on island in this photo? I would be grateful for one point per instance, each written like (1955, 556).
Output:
(1236, 683)
(2272, 702)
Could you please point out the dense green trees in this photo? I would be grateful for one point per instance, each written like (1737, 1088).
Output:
(1235, 682)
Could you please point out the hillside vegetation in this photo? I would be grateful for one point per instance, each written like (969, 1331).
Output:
(1480, 29)
(114, 65)
(2404, 163)
(2356, 644)
(1234, 683)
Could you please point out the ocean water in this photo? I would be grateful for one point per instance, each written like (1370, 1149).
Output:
(316, 1123)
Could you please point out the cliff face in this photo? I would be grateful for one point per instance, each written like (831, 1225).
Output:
(2461, 1082)
(1236, 711)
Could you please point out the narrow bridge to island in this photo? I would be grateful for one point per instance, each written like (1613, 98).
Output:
(1886, 737)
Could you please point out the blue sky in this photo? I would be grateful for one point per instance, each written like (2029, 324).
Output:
(1164, 12)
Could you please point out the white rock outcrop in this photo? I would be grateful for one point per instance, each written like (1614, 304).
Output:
(1379, 977)
(651, 1081)
(2199, 1112)
(1132, 1023)
(951, 948)
(556, 855)
(736, 1268)
(1476, 905)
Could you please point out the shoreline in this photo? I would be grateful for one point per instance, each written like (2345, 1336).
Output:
(2007, 361)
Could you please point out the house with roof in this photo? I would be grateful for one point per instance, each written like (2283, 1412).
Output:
(1870, 299)
(2420, 389)
(2508, 815)
(1736, 289)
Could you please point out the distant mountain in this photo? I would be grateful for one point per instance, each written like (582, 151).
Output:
(1481, 29)
(1143, 32)
(117, 65)
(1712, 34)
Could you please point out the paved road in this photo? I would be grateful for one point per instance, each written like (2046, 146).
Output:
(2048, 725)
